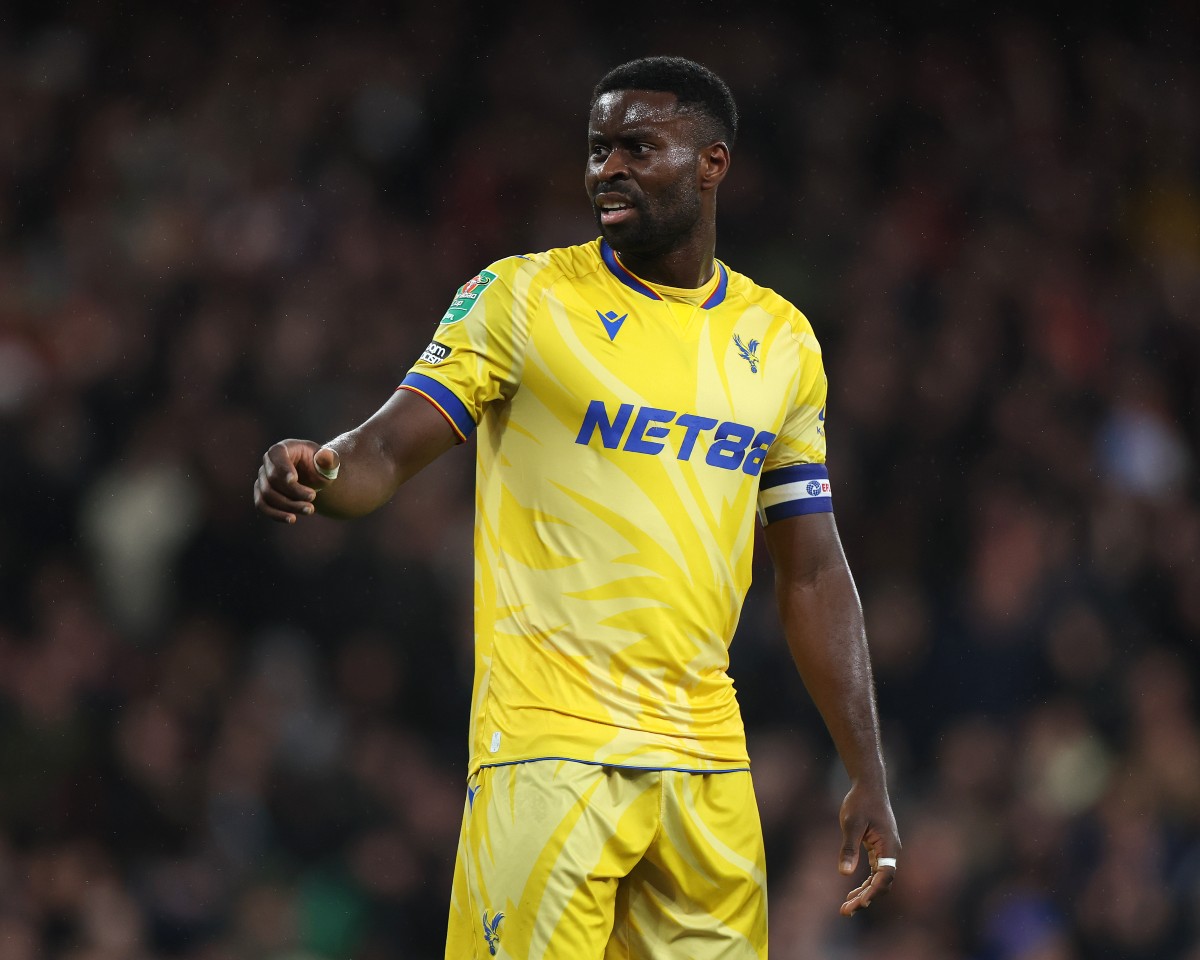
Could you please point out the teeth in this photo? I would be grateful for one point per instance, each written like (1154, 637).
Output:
(610, 205)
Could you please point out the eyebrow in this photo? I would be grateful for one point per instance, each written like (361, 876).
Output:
(633, 133)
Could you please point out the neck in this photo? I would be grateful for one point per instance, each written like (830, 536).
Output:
(687, 265)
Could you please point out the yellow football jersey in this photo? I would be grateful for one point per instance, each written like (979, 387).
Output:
(625, 431)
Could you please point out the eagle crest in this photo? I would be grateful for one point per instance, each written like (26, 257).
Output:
(491, 931)
(748, 352)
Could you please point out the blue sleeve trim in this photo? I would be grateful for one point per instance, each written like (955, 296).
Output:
(795, 474)
(797, 508)
(441, 396)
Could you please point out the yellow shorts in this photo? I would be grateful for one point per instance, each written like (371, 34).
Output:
(560, 860)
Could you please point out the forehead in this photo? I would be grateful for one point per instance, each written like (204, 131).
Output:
(625, 109)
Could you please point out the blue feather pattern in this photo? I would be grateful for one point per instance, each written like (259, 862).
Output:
(490, 931)
(748, 352)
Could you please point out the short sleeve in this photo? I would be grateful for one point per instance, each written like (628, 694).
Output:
(795, 479)
(478, 350)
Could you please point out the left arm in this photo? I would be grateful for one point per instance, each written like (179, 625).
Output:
(823, 622)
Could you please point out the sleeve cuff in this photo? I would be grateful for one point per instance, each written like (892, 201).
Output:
(444, 399)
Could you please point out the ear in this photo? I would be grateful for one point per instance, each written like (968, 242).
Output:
(714, 164)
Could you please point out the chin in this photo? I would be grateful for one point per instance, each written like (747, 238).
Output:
(626, 241)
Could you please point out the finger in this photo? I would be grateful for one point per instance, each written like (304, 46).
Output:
(854, 900)
(271, 513)
(272, 501)
(279, 474)
(852, 836)
(876, 885)
(328, 463)
(858, 891)
(268, 498)
(277, 515)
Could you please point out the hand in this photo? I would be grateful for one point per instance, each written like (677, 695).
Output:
(293, 472)
(867, 820)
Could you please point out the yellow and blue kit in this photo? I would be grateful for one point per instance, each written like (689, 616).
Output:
(627, 434)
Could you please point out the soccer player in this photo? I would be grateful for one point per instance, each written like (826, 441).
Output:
(637, 403)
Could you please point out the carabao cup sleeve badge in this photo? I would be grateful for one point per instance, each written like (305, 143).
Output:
(467, 296)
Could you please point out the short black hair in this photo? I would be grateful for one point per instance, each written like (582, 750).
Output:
(696, 87)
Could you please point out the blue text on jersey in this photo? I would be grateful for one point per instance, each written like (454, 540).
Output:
(733, 444)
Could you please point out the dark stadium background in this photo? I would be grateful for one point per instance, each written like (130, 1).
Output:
(223, 224)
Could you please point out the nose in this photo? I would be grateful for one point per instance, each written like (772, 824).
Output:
(613, 167)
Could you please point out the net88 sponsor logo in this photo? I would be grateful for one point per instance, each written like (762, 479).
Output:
(732, 445)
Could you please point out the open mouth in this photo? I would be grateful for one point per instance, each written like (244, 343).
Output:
(613, 208)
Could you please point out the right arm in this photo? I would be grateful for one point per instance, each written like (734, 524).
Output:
(478, 355)
(371, 462)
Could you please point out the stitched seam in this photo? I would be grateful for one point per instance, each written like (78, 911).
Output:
(662, 807)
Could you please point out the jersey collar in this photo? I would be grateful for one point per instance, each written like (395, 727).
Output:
(617, 269)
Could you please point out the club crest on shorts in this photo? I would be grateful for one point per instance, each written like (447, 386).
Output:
(491, 931)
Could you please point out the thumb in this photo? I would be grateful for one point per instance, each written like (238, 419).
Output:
(851, 841)
(327, 462)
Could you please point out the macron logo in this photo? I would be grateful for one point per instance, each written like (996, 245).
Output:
(612, 323)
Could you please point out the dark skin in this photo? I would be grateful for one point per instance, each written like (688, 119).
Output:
(374, 459)
(642, 149)
(652, 177)
(823, 623)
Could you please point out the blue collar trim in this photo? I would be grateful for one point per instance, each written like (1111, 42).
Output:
(609, 256)
(615, 267)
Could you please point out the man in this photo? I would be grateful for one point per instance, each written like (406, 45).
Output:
(635, 400)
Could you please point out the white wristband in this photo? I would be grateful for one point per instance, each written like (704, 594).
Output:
(886, 862)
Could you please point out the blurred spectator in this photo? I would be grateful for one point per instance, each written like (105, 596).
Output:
(225, 224)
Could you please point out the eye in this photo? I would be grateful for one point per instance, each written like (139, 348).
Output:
(598, 151)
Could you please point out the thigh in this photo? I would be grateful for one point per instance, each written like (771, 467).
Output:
(700, 892)
(542, 847)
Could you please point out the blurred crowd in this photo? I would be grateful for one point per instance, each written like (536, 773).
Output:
(221, 739)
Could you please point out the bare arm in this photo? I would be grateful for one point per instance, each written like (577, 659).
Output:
(823, 622)
(369, 463)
